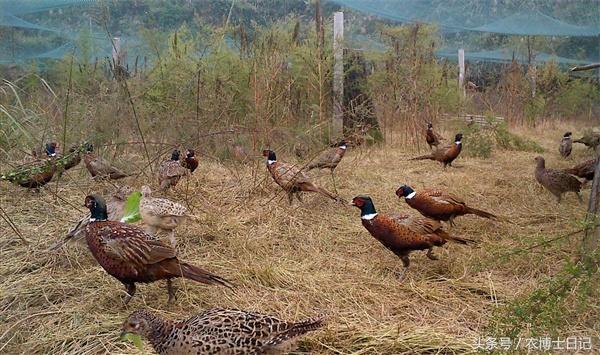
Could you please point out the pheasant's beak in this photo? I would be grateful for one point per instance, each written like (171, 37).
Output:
(352, 203)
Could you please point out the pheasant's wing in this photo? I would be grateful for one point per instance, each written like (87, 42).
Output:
(443, 197)
(132, 245)
(399, 236)
(287, 174)
(421, 225)
(172, 168)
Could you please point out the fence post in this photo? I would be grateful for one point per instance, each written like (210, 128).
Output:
(338, 74)
(461, 71)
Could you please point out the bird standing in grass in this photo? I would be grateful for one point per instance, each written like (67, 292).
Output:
(291, 179)
(161, 214)
(445, 155)
(329, 159)
(36, 173)
(219, 331)
(100, 168)
(171, 171)
(190, 162)
(433, 139)
(400, 234)
(566, 145)
(556, 181)
(131, 255)
(438, 204)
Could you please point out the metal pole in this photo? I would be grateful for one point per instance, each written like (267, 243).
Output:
(338, 74)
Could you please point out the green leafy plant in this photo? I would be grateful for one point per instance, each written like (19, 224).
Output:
(131, 212)
(136, 339)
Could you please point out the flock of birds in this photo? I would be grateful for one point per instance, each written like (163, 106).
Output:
(133, 254)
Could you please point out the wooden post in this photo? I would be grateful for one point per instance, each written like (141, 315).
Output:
(338, 75)
(116, 51)
(461, 71)
(591, 238)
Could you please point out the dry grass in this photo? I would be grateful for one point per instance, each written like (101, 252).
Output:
(298, 261)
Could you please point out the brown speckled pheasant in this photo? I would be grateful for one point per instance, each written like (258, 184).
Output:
(433, 139)
(447, 154)
(329, 159)
(100, 168)
(584, 170)
(556, 181)
(291, 179)
(131, 255)
(400, 235)
(161, 214)
(438, 204)
(566, 145)
(171, 171)
(219, 331)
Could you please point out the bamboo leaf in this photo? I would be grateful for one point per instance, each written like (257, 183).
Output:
(131, 212)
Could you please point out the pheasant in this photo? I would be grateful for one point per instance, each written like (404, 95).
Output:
(171, 171)
(114, 207)
(330, 158)
(556, 181)
(433, 139)
(34, 174)
(190, 162)
(161, 214)
(584, 170)
(424, 225)
(219, 331)
(291, 179)
(438, 204)
(590, 140)
(131, 255)
(566, 145)
(400, 235)
(445, 155)
(100, 168)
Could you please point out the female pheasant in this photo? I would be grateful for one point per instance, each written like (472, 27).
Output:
(291, 179)
(556, 181)
(566, 145)
(330, 159)
(447, 154)
(131, 255)
(161, 214)
(438, 204)
(219, 331)
(400, 234)
(98, 167)
(584, 170)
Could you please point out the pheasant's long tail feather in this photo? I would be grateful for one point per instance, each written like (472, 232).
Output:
(197, 274)
(481, 213)
(423, 157)
(455, 239)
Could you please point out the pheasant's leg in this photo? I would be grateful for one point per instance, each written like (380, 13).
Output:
(579, 197)
(451, 221)
(290, 197)
(405, 263)
(558, 197)
(299, 196)
(430, 254)
(130, 292)
(172, 239)
(334, 185)
(171, 290)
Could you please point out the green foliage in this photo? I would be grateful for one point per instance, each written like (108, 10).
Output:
(131, 211)
(480, 141)
(577, 97)
(510, 141)
(136, 339)
(547, 310)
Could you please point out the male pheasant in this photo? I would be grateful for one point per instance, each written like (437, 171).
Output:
(445, 155)
(399, 234)
(438, 204)
(566, 145)
(291, 179)
(432, 138)
(131, 255)
(36, 173)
